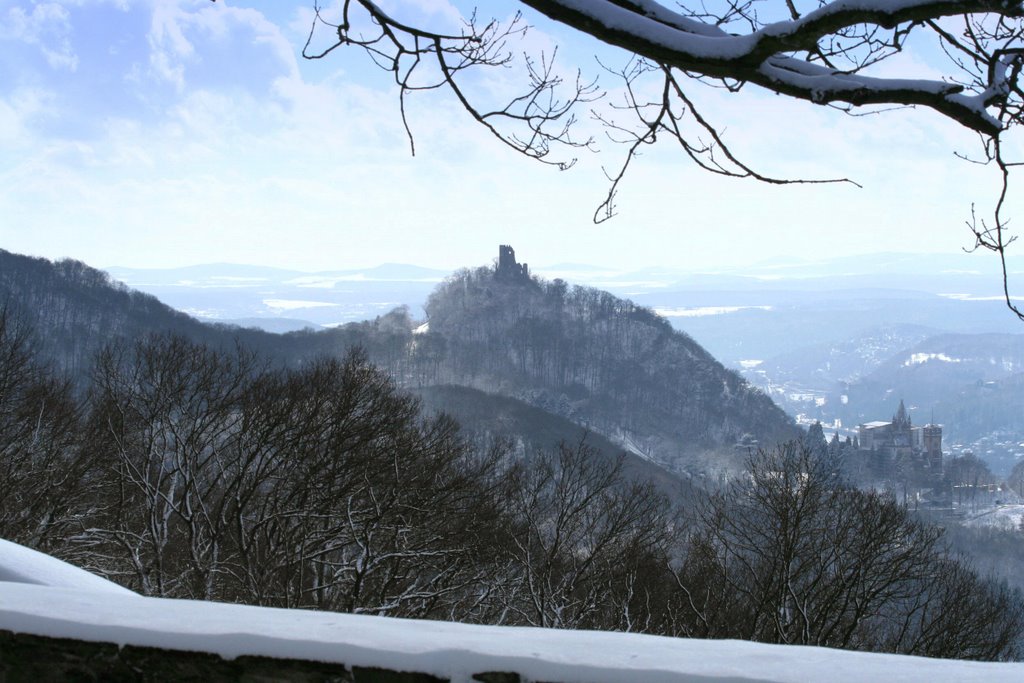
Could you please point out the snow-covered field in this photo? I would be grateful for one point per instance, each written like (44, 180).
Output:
(1000, 516)
(78, 605)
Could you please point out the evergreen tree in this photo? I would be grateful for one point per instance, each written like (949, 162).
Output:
(815, 439)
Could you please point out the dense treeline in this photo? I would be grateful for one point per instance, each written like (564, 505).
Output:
(198, 472)
(593, 357)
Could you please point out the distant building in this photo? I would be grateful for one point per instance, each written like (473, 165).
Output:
(507, 266)
(900, 446)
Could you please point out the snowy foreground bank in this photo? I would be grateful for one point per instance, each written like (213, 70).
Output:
(45, 597)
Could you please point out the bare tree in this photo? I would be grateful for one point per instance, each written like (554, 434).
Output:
(205, 474)
(582, 543)
(958, 614)
(320, 487)
(1016, 478)
(164, 413)
(374, 510)
(967, 475)
(42, 472)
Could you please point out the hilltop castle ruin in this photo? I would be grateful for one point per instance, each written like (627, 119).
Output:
(508, 268)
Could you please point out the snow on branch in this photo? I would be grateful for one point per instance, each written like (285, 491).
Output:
(767, 57)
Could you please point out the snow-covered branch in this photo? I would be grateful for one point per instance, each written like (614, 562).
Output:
(767, 56)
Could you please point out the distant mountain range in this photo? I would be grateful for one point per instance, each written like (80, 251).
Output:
(213, 274)
(828, 301)
(281, 300)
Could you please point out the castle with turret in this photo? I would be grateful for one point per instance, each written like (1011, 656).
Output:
(901, 447)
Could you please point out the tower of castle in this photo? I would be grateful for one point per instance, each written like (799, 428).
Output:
(901, 420)
(931, 444)
(901, 433)
(507, 266)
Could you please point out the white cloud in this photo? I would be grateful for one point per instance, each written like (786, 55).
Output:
(168, 45)
(47, 27)
(440, 15)
(17, 111)
(184, 34)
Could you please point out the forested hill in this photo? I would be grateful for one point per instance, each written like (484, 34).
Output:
(76, 309)
(606, 364)
(596, 359)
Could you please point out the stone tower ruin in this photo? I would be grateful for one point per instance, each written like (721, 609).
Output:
(508, 268)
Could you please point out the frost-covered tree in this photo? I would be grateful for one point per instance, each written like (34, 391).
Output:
(824, 52)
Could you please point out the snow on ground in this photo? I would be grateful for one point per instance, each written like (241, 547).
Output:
(918, 358)
(701, 311)
(85, 608)
(999, 516)
(19, 564)
(623, 439)
(453, 650)
(281, 305)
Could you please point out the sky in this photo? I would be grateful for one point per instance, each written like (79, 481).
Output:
(163, 133)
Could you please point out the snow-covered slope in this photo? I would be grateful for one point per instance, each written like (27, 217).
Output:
(45, 597)
(19, 564)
